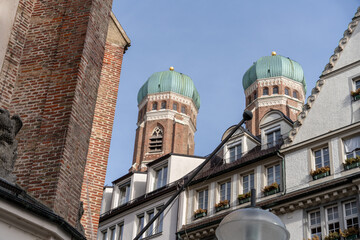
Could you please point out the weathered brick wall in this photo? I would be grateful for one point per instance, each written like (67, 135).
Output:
(95, 171)
(55, 57)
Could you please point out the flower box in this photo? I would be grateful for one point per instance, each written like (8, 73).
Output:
(244, 200)
(351, 166)
(200, 215)
(352, 237)
(321, 175)
(218, 209)
(271, 192)
(355, 94)
(357, 97)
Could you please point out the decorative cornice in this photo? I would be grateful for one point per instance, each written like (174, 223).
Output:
(328, 68)
(342, 43)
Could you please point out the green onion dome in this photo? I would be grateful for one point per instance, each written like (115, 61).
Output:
(170, 81)
(274, 66)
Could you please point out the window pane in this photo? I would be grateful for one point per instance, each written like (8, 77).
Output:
(175, 106)
(150, 230)
(206, 199)
(270, 175)
(286, 91)
(238, 151)
(121, 230)
(222, 192)
(246, 184)
(163, 105)
(112, 233)
(154, 106)
(232, 154)
(357, 84)
(164, 180)
(266, 91)
(252, 181)
(228, 192)
(160, 223)
(275, 90)
(326, 157)
(104, 235)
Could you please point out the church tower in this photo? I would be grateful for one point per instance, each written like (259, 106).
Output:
(168, 106)
(273, 82)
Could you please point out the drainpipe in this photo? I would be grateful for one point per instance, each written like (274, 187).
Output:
(283, 171)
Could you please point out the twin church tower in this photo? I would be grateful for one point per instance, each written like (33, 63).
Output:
(169, 103)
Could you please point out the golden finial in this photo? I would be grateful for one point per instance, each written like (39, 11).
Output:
(273, 53)
(171, 68)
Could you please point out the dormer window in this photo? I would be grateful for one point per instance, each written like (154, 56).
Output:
(235, 153)
(156, 140)
(161, 177)
(273, 138)
(124, 193)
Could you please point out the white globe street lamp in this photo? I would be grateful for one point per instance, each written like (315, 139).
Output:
(252, 224)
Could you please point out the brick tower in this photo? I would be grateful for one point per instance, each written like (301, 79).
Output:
(273, 82)
(168, 107)
(53, 74)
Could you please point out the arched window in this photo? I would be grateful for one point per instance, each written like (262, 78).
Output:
(163, 105)
(175, 106)
(255, 95)
(295, 95)
(154, 106)
(156, 140)
(183, 109)
(266, 91)
(287, 92)
(276, 90)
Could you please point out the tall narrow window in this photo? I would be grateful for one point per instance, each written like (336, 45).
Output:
(120, 231)
(315, 224)
(140, 223)
(203, 199)
(154, 106)
(112, 233)
(161, 177)
(332, 219)
(104, 234)
(150, 230)
(266, 91)
(273, 174)
(156, 140)
(351, 215)
(183, 109)
(322, 158)
(163, 105)
(249, 100)
(273, 138)
(225, 191)
(235, 153)
(255, 95)
(295, 94)
(124, 193)
(248, 183)
(275, 90)
(175, 106)
(287, 91)
(159, 227)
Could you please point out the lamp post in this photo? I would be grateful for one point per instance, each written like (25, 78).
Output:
(252, 224)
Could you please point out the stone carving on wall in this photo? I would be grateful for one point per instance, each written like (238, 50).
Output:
(79, 226)
(9, 127)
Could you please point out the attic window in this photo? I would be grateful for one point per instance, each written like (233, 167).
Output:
(156, 140)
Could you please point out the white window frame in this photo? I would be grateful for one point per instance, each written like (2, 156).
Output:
(334, 220)
(352, 215)
(355, 151)
(273, 167)
(139, 223)
(164, 179)
(236, 147)
(226, 183)
(316, 225)
(205, 198)
(322, 156)
(149, 215)
(104, 234)
(272, 132)
(120, 231)
(124, 198)
(251, 177)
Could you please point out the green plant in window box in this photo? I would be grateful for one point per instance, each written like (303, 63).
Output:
(271, 189)
(243, 198)
(356, 94)
(350, 233)
(222, 205)
(316, 237)
(320, 172)
(333, 236)
(199, 213)
(352, 162)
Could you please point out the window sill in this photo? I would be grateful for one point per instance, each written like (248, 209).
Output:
(153, 236)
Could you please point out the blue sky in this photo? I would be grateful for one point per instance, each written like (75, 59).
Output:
(215, 42)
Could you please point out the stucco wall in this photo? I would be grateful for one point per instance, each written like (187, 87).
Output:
(179, 166)
(7, 15)
(293, 222)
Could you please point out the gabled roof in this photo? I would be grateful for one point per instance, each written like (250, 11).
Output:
(328, 69)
